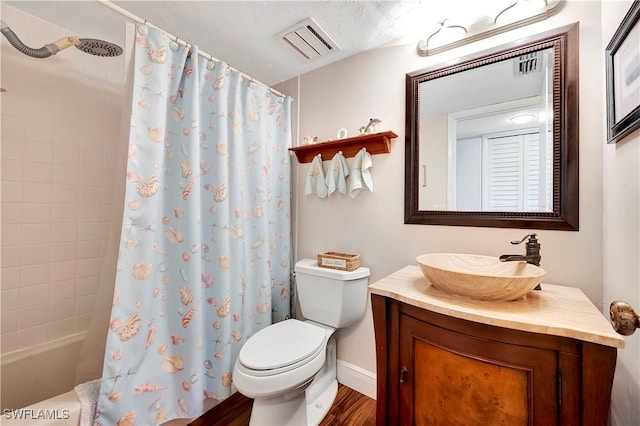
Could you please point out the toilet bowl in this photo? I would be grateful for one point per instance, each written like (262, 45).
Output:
(289, 368)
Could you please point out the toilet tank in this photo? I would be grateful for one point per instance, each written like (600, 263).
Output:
(329, 296)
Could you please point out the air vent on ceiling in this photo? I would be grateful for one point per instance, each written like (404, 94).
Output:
(527, 64)
(309, 39)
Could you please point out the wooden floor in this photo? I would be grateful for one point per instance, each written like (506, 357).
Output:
(349, 408)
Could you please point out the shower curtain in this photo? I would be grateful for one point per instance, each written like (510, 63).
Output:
(205, 252)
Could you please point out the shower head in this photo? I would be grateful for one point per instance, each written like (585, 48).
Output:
(87, 45)
(98, 47)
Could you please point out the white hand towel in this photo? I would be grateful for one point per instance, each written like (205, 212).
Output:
(315, 179)
(360, 173)
(88, 394)
(337, 174)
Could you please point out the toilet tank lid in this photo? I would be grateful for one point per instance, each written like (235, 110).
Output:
(310, 267)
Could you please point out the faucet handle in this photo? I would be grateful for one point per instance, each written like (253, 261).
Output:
(532, 237)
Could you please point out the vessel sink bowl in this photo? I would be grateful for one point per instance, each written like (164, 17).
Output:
(480, 277)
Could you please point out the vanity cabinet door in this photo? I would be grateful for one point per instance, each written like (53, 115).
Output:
(451, 378)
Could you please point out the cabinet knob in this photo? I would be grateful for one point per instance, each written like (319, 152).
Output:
(403, 374)
(623, 318)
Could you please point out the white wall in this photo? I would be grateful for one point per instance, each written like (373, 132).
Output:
(60, 120)
(621, 210)
(372, 84)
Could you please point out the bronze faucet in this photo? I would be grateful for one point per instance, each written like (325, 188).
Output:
(531, 256)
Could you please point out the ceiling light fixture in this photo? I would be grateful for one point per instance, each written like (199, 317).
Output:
(444, 34)
(512, 15)
(522, 118)
(520, 9)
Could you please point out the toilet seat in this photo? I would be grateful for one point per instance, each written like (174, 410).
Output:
(282, 347)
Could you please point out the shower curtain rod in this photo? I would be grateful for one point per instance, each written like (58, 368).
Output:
(124, 12)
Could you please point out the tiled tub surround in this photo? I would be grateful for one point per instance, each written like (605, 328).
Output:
(60, 132)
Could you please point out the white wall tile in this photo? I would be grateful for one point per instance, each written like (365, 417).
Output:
(85, 304)
(89, 267)
(37, 192)
(12, 148)
(12, 127)
(10, 277)
(59, 290)
(11, 234)
(32, 336)
(87, 249)
(62, 328)
(58, 155)
(61, 271)
(62, 309)
(33, 254)
(66, 131)
(67, 175)
(11, 213)
(90, 176)
(10, 321)
(63, 213)
(34, 315)
(91, 195)
(88, 231)
(9, 342)
(82, 322)
(12, 192)
(38, 172)
(35, 274)
(12, 170)
(63, 251)
(64, 232)
(38, 151)
(40, 122)
(65, 194)
(92, 157)
(33, 233)
(89, 212)
(10, 299)
(67, 155)
(88, 285)
(36, 213)
(11, 256)
(34, 295)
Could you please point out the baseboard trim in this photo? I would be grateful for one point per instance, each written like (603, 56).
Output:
(357, 378)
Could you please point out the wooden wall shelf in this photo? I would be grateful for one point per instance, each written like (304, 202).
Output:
(376, 143)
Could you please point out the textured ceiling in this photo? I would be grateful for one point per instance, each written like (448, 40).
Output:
(244, 33)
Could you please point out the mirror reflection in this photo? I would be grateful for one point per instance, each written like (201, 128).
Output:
(492, 139)
(486, 140)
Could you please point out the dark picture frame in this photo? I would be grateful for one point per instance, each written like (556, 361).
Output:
(623, 77)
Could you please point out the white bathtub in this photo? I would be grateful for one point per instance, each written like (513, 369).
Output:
(37, 373)
(61, 410)
(64, 410)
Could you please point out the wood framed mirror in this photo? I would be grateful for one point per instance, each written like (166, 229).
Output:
(471, 156)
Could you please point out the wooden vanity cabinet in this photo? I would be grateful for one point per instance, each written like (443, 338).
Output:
(435, 369)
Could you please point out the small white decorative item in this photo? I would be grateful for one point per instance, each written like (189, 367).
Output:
(371, 127)
(342, 133)
(309, 140)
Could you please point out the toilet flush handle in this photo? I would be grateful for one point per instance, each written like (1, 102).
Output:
(623, 318)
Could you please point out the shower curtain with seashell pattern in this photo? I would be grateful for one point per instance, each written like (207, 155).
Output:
(205, 253)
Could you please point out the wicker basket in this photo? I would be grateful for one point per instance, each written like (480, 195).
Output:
(340, 261)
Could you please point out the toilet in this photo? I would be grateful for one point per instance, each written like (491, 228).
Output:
(289, 368)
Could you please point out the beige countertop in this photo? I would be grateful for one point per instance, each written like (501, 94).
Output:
(556, 310)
